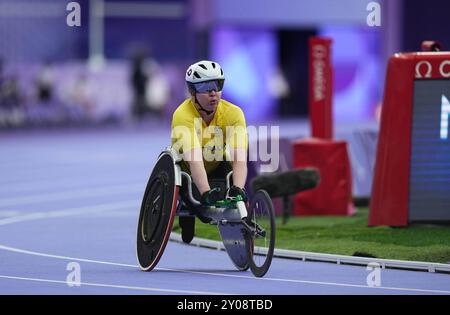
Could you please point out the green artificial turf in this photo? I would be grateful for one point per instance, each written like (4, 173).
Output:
(352, 236)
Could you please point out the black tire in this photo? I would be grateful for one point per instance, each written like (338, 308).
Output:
(157, 213)
(261, 214)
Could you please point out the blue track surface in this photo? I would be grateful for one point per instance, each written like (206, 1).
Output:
(75, 196)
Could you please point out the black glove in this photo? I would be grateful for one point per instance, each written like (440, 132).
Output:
(235, 191)
(210, 197)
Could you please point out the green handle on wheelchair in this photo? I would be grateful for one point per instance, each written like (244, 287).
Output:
(231, 201)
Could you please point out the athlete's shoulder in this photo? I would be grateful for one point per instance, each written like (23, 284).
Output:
(231, 114)
(184, 111)
(184, 106)
(229, 107)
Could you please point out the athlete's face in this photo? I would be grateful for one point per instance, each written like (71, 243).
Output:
(209, 100)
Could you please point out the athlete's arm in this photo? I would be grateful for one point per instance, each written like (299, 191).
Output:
(239, 163)
(238, 143)
(197, 168)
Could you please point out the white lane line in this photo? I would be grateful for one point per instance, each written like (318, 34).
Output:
(125, 204)
(33, 253)
(70, 194)
(115, 286)
(70, 212)
(312, 282)
(49, 184)
(9, 213)
(17, 250)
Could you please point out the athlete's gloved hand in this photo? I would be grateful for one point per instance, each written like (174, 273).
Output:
(210, 197)
(235, 191)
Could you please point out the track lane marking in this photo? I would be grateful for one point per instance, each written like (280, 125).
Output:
(70, 194)
(49, 184)
(123, 205)
(129, 203)
(115, 286)
(17, 250)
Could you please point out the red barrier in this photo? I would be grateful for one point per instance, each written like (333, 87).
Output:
(333, 195)
(320, 88)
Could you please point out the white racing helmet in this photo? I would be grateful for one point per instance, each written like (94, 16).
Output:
(204, 71)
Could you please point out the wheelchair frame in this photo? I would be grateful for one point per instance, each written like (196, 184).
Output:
(156, 218)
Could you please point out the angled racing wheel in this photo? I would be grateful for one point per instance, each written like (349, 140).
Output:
(157, 212)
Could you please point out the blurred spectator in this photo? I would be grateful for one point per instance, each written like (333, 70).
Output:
(278, 85)
(158, 91)
(44, 83)
(11, 113)
(139, 83)
(10, 93)
(1, 73)
(78, 99)
(279, 89)
(45, 110)
(151, 88)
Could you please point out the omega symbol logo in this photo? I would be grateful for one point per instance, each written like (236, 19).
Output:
(427, 72)
(426, 65)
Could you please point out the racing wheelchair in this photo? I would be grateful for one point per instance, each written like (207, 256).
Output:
(248, 234)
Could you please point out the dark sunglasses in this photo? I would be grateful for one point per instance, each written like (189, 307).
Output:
(208, 86)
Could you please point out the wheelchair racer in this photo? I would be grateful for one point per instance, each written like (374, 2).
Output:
(211, 135)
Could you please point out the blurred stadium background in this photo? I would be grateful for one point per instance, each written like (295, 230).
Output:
(85, 111)
(125, 64)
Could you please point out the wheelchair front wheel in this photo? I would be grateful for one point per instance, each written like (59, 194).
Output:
(261, 237)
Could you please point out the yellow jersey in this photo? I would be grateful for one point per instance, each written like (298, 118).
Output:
(226, 130)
